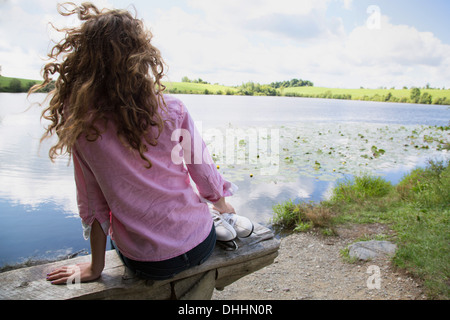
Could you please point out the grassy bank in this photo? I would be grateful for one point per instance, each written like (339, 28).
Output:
(417, 209)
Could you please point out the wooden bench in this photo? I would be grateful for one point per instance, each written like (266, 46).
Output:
(198, 283)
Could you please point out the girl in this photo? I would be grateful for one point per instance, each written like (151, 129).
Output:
(109, 113)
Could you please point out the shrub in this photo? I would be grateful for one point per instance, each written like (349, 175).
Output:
(427, 187)
(15, 85)
(415, 95)
(302, 216)
(426, 98)
(285, 216)
(360, 189)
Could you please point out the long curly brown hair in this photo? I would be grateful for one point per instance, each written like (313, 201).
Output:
(104, 74)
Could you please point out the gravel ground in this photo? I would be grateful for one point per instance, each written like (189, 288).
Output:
(309, 267)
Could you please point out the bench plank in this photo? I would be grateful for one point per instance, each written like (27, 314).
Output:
(116, 282)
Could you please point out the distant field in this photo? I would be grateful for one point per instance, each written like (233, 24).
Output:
(358, 94)
(198, 88)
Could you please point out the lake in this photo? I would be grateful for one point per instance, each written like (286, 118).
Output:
(273, 148)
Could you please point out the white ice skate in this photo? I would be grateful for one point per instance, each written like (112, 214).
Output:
(224, 231)
(242, 225)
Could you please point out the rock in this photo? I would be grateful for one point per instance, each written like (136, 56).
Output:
(366, 250)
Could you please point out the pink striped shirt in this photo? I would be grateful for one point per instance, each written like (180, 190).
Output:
(151, 214)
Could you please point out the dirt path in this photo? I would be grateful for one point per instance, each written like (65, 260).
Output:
(309, 267)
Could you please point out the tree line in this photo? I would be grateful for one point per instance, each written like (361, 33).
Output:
(292, 83)
(273, 89)
(199, 80)
(275, 85)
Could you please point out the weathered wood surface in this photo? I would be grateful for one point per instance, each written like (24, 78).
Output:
(221, 269)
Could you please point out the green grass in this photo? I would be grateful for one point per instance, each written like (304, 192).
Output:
(359, 93)
(417, 209)
(198, 88)
(361, 188)
(398, 95)
(5, 81)
(302, 217)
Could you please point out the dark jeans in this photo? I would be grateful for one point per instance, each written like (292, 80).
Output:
(163, 270)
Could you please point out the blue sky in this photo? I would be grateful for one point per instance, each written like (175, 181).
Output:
(334, 43)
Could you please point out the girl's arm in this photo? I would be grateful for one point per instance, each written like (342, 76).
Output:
(85, 271)
(98, 247)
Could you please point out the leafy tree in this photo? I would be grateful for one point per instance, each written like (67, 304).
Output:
(426, 98)
(388, 97)
(415, 95)
(292, 83)
(15, 85)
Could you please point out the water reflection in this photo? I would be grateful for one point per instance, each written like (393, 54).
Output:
(270, 110)
(255, 198)
(27, 175)
(37, 198)
(37, 232)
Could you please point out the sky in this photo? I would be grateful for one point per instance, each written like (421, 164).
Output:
(333, 43)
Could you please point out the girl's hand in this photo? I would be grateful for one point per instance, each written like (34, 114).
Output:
(83, 271)
(223, 207)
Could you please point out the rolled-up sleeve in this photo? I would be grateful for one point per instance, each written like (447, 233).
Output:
(209, 182)
(90, 199)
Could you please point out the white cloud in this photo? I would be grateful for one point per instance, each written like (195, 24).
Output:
(398, 44)
(237, 10)
(26, 34)
(236, 41)
(396, 53)
(347, 4)
(290, 18)
(19, 40)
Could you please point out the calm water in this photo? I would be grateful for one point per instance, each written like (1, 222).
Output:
(38, 210)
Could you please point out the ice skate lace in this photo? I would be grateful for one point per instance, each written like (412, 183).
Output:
(218, 220)
(230, 218)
